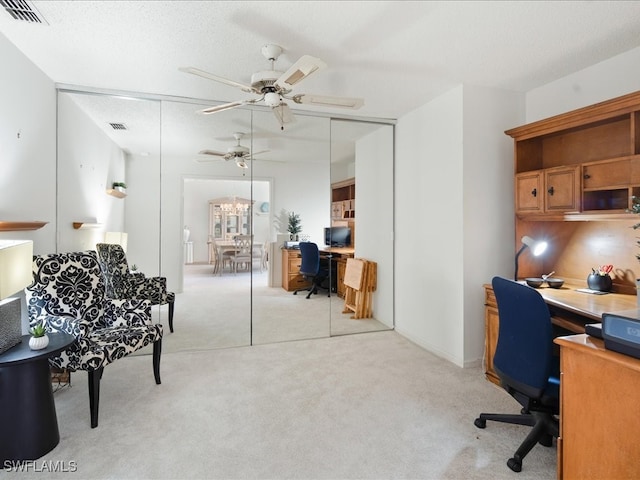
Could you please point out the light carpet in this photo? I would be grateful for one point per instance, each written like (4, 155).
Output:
(369, 406)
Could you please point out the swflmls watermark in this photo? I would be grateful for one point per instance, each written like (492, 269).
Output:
(41, 466)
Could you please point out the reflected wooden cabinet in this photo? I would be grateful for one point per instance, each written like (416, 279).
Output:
(228, 218)
(343, 200)
(291, 277)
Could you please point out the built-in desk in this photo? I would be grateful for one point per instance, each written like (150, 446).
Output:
(570, 311)
(599, 421)
(291, 261)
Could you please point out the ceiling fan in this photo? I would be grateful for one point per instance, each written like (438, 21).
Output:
(238, 152)
(275, 86)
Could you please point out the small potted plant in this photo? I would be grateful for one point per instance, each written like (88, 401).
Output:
(39, 338)
(120, 186)
(295, 226)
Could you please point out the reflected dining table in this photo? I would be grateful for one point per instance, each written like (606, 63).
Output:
(219, 249)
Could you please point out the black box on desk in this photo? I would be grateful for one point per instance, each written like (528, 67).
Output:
(621, 334)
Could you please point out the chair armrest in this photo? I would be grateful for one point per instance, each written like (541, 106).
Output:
(132, 312)
(146, 287)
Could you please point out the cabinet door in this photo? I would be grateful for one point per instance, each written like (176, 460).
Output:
(606, 174)
(562, 186)
(529, 192)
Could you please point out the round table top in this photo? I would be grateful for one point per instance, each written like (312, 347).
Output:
(21, 353)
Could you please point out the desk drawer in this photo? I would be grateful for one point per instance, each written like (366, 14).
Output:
(294, 264)
(298, 281)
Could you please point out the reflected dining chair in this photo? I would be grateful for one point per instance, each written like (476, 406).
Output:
(243, 252)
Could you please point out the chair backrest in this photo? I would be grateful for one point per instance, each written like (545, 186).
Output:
(115, 269)
(67, 285)
(310, 258)
(243, 245)
(523, 357)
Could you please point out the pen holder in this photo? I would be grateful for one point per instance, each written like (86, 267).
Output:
(602, 283)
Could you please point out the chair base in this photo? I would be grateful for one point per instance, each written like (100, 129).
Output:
(313, 289)
(545, 429)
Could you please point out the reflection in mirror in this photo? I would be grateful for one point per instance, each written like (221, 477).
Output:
(295, 162)
(202, 212)
(362, 202)
(102, 140)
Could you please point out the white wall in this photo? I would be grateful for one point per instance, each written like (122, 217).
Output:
(611, 78)
(374, 222)
(454, 216)
(27, 148)
(429, 229)
(88, 163)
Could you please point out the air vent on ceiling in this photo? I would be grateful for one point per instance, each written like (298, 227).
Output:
(117, 126)
(23, 10)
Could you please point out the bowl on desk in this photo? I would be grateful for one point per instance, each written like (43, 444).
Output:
(554, 282)
(534, 282)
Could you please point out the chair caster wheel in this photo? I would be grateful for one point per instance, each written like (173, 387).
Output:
(295, 293)
(480, 423)
(514, 464)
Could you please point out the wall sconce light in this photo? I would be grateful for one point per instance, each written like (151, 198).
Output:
(537, 248)
(16, 258)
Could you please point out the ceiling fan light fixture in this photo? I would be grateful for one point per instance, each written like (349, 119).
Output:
(272, 99)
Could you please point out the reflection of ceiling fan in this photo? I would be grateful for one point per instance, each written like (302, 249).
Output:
(238, 152)
(273, 86)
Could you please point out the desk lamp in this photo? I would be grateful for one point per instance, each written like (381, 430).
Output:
(537, 248)
(16, 257)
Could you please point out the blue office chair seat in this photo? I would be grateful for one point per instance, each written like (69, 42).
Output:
(312, 269)
(526, 366)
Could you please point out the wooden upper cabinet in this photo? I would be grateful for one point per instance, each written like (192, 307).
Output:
(530, 192)
(582, 162)
(562, 189)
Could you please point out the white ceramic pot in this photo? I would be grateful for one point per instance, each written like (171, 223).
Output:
(38, 343)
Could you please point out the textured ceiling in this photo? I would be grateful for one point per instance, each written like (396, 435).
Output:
(396, 55)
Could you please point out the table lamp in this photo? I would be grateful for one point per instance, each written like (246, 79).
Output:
(16, 258)
(537, 248)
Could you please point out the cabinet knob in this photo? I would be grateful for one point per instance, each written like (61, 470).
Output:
(534, 192)
(586, 176)
(550, 191)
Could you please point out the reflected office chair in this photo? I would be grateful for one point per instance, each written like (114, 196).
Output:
(312, 269)
(526, 366)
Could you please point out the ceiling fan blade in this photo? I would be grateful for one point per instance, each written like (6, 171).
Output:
(300, 70)
(260, 152)
(283, 114)
(212, 152)
(220, 108)
(216, 78)
(326, 101)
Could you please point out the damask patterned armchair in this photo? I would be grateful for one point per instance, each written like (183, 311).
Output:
(68, 295)
(121, 284)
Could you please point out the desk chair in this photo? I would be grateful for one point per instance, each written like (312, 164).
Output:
(311, 269)
(525, 364)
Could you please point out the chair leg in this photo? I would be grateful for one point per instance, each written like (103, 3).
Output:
(94, 377)
(157, 349)
(171, 307)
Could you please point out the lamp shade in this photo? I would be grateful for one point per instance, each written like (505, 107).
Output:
(16, 258)
(537, 247)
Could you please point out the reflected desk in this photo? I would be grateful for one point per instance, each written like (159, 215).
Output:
(570, 312)
(338, 257)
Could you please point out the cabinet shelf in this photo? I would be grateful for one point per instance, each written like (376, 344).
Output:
(116, 193)
(6, 226)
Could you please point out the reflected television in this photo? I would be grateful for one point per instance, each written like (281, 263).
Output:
(337, 236)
